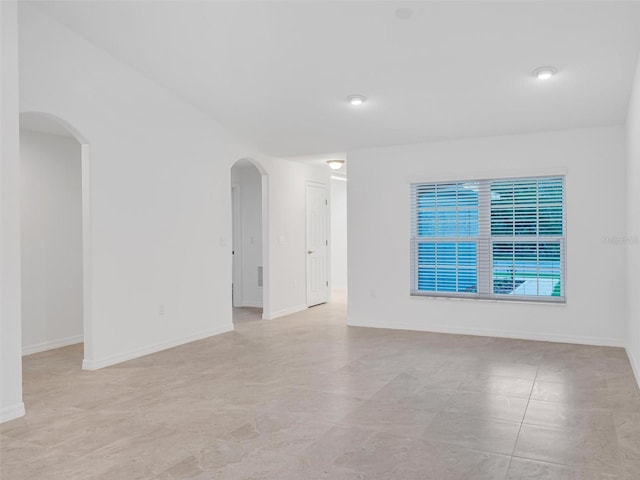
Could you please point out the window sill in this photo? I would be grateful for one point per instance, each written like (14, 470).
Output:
(520, 300)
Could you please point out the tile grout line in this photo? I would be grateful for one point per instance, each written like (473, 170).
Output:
(549, 462)
(522, 422)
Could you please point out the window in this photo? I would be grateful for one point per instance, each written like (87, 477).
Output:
(500, 239)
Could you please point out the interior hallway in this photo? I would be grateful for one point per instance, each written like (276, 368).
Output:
(305, 397)
(246, 314)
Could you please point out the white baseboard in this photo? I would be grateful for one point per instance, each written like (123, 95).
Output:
(634, 365)
(251, 304)
(11, 412)
(284, 312)
(88, 364)
(598, 341)
(53, 344)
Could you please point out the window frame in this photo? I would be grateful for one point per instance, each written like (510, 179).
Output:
(485, 241)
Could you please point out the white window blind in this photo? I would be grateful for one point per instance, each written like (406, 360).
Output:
(501, 239)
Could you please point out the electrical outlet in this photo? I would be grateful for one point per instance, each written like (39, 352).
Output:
(161, 310)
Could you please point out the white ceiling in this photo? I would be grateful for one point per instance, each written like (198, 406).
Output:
(279, 72)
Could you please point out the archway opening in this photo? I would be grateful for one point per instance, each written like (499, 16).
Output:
(249, 248)
(54, 161)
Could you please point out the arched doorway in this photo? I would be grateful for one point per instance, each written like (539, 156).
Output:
(55, 230)
(250, 271)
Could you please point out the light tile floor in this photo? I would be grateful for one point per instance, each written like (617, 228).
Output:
(304, 398)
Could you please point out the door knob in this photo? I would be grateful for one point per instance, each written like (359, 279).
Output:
(310, 252)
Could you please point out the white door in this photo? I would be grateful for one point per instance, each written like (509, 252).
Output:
(317, 245)
(236, 248)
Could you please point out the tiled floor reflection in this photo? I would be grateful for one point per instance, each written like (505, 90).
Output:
(304, 398)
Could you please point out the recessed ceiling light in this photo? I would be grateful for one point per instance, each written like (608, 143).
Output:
(544, 73)
(403, 13)
(356, 100)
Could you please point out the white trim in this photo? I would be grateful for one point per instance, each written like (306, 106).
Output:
(315, 183)
(635, 366)
(527, 300)
(487, 175)
(12, 411)
(236, 245)
(266, 244)
(87, 292)
(418, 327)
(284, 312)
(157, 347)
(256, 304)
(51, 345)
(327, 230)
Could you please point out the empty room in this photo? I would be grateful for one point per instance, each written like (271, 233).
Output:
(320, 240)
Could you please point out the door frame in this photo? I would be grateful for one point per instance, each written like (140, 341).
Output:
(266, 248)
(327, 221)
(236, 246)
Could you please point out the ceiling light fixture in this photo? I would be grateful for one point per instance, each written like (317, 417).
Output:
(544, 73)
(335, 164)
(356, 100)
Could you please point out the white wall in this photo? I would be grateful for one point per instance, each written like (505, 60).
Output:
(160, 222)
(287, 234)
(249, 181)
(338, 234)
(379, 269)
(11, 405)
(633, 223)
(51, 241)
